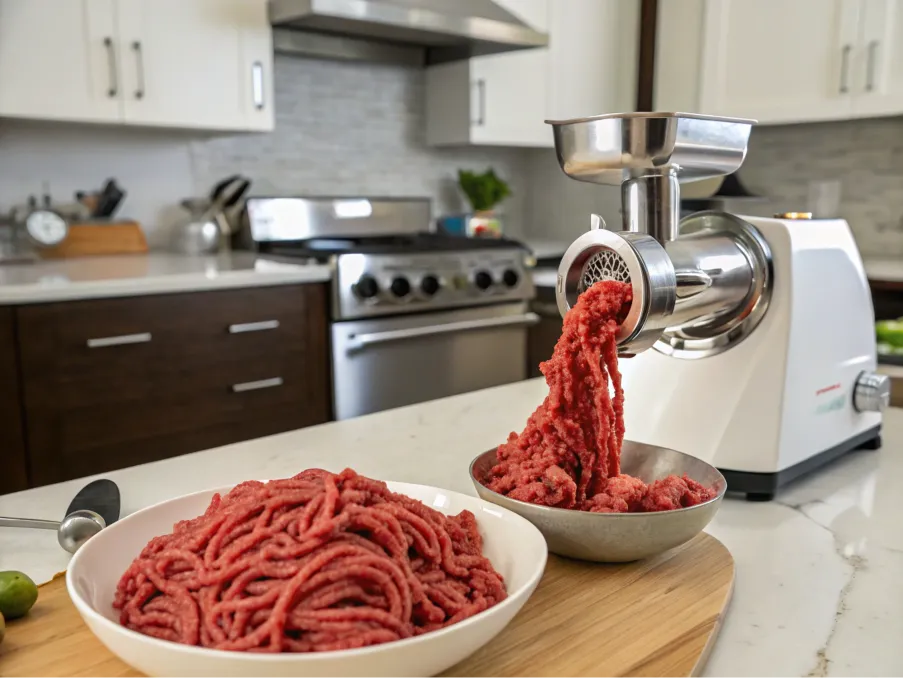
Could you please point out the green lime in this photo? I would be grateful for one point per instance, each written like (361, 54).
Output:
(889, 332)
(17, 594)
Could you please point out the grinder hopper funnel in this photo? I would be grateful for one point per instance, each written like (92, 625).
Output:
(648, 154)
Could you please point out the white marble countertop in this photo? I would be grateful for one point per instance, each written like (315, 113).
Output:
(818, 585)
(889, 269)
(154, 273)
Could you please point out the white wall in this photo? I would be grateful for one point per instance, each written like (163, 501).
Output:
(154, 167)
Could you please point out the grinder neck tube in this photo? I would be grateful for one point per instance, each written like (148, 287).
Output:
(651, 204)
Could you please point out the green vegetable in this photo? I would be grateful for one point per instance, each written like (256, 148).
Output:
(484, 191)
(17, 594)
(890, 332)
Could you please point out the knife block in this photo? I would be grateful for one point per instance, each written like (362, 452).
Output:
(90, 239)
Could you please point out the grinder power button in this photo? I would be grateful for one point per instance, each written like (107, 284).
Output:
(872, 392)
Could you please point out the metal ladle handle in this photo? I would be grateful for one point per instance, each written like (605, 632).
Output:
(30, 522)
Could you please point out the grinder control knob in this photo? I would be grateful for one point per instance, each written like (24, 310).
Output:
(871, 392)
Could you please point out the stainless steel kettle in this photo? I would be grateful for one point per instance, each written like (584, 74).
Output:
(207, 229)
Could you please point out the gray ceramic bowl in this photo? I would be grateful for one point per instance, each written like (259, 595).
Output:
(618, 537)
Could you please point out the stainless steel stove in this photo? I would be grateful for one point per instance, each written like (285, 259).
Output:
(416, 315)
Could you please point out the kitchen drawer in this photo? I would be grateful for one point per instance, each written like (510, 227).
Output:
(132, 334)
(91, 410)
(14, 476)
(86, 440)
(184, 341)
(245, 323)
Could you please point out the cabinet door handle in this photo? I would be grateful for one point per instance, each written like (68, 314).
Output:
(256, 385)
(845, 68)
(139, 66)
(111, 61)
(257, 85)
(481, 102)
(254, 327)
(121, 340)
(870, 66)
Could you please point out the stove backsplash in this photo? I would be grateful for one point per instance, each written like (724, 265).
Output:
(340, 129)
(785, 163)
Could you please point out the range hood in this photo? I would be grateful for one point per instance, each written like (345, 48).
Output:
(413, 32)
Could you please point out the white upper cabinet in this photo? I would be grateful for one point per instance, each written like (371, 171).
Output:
(183, 62)
(780, 61)
(58, 60)
(204, 64)
(593, 60)
(504, 99)
(879, 87)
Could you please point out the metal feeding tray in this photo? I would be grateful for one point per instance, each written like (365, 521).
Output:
(609, 149)
(618, 537)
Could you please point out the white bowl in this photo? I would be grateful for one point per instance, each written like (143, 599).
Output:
(513, 545)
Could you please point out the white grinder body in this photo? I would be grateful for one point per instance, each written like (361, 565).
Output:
(785, 393)
(749, 342)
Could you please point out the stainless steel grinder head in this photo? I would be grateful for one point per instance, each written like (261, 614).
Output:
(648, 155)
(633, 258)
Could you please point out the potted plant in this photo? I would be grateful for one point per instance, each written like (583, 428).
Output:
(484, 192)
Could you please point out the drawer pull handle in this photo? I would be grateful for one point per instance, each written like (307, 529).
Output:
(256, 385)
(253, 327)
(121, 340)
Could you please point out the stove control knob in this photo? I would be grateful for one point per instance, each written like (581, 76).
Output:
(429, 285)
(366, 287)
(482, 280)
(400, 287)
(872, 392)
(510, 278)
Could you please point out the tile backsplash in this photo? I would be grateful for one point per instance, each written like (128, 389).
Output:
(358, 129)
(863, 158)
(341, 129)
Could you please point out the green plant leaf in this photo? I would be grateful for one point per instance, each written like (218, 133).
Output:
(484, 191)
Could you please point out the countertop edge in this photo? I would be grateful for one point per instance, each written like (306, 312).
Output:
(21, 295)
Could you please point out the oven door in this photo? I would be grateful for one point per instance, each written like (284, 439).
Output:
(389, 362)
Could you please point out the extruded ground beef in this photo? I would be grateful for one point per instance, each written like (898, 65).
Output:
(311, 563)
(569, 454)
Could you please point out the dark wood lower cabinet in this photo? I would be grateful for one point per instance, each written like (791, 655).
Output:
(887, 298)
(14, 476)
(542, 336)
(113, 383)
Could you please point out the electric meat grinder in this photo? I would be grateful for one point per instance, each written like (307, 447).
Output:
(751, 339)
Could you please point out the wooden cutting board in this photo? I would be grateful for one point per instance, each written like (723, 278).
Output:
(657, 617)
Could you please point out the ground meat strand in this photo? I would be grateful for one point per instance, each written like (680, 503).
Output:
(569, 453)
(311, 563)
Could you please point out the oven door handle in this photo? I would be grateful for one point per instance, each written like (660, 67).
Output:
(358, 342)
